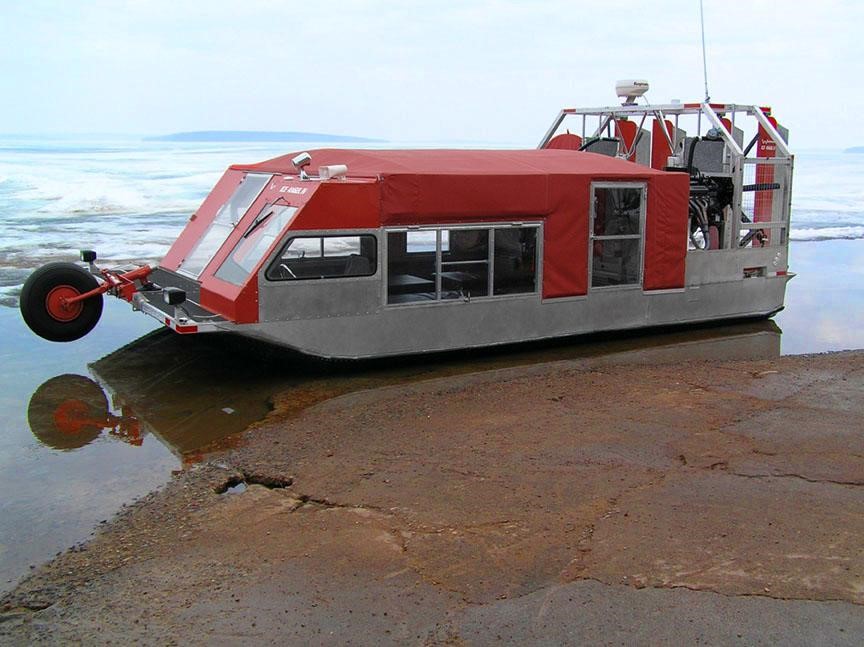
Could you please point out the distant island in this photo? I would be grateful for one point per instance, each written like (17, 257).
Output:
(255, 136)
(855, 149)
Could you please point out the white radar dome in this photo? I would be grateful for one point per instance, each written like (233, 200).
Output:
(631, 89)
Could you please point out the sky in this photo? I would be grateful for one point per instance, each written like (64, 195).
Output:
(493, 70)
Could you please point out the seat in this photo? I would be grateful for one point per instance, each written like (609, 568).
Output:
(357, 266)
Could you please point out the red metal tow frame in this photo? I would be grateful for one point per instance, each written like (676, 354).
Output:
(120, 284)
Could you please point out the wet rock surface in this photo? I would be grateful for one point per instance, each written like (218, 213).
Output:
(701, 502)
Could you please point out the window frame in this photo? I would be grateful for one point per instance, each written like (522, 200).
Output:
(267, 177)
(490, 260)
(277, 257)
(262, 226)
(643, 204)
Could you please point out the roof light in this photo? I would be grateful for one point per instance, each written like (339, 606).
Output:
(332, 171)
(300, 163)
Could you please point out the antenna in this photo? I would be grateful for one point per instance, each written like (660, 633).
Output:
(704, 58)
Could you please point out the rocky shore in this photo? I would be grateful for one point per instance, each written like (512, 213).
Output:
(714, 502)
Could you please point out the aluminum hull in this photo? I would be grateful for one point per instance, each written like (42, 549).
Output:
(452, 326)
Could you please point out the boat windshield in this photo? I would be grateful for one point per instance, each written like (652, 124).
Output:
(223, 224)
(256, 240)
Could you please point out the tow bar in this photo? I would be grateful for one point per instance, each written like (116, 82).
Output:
(63, 301)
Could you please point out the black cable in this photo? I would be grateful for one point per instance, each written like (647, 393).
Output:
(693, 143)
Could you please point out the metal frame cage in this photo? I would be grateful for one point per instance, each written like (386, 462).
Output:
(760, 169)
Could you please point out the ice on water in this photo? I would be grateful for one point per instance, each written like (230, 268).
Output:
(126, 198)
(828, 196)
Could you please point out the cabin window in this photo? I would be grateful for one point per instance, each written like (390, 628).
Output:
(325, 257)
(411, 266)
(257, 239)
(223, 224)
(617, 216)
(465, 263)
(515, 260)
(460, 263)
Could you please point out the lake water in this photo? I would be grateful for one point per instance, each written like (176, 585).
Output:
(158, 401)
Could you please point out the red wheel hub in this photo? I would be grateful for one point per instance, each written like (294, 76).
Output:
(55, 303)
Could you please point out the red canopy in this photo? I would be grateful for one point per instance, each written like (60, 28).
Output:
(440, 186)
(472, 183)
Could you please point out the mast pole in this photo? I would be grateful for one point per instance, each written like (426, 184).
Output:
(704, 57)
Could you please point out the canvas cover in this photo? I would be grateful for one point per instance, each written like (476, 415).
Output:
(418, 187)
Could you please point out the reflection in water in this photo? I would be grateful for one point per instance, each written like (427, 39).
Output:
(194, 394)
(67, 412)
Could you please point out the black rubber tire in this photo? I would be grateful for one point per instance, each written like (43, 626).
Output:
(33, 301)
(88, 401)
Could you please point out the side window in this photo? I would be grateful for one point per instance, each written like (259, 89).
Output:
(447, 264)
(515, 260)
(411, 266)
(465, 264)
(325, 257)
(616, 236)
(302, 248)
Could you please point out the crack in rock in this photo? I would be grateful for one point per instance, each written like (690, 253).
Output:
(725, 594)
(24, 607)
(857, 483)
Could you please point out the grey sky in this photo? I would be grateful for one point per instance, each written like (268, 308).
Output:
(486, 70)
